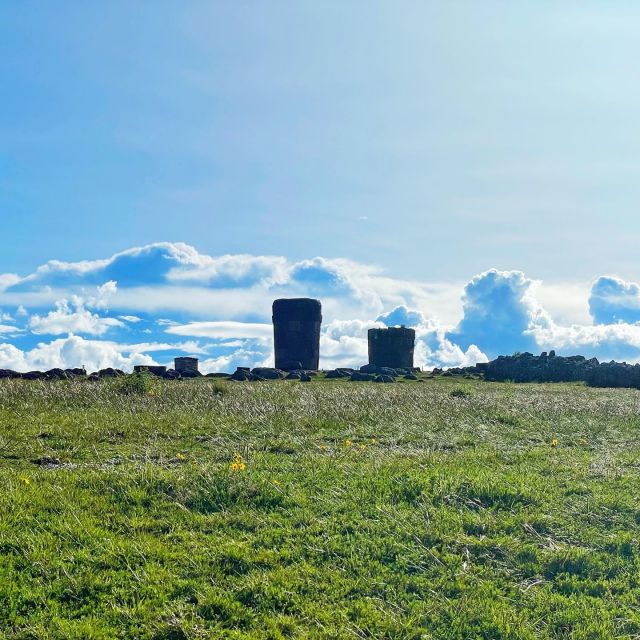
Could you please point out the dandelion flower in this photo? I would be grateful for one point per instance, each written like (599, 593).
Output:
(25, 480)
(363, 447)
(180, 457)
(348, 443)
(238, 463)
(373, 441)
(555, 442)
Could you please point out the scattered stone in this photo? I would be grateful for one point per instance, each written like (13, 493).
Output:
(267, 373)
(383, 378)
(362, 377)
(152, 369)
(110, 373)
(410, 376)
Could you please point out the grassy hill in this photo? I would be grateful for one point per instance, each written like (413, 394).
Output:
(434, 509)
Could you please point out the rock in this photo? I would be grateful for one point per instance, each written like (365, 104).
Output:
(56, 374)
(268, 373)
(305, 377)
(33, 375)
(410, 376)
(110, 373)
(362, 377)
(76, 373)
(241, 374)
(293, 375)
(152, 369)
(384, 378)
(218, 375)
(171, 374)
(7, 373)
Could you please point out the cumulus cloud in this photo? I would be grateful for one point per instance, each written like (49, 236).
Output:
(227, 300)
(72, 317)
(402, 316)
(69, 352)
(499, 312)
(613, 300)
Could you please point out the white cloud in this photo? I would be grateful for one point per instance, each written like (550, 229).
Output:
(228, 300)
(223, 330)
(72, 317)
(73, 351)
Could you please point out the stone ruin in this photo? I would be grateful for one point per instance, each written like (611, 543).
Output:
(296, 330)
(296, 333)
(187, 367)
(391, 347)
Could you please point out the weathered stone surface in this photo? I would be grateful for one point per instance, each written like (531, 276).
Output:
(339, 373)
(110, 373)
(154, 370)
(410, 376)
(384, 378)
(217, 375)
(268, 373)
(7, 373)
(241, 374)
(187, 367)
(525, 367)
(614, 374)
(296, 333)
(362, 377)
(392, 347)
(34, 375)
(171, 374)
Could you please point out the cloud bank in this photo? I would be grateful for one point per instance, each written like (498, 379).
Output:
(148, 304)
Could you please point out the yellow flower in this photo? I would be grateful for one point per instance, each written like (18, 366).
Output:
(323, 447)
(555, 442)
(347, 443)
(25, 480)
(363, 447)
(180, 457)
(238, 463)
(373, 441)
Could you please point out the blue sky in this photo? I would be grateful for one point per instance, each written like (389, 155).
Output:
(414, 146)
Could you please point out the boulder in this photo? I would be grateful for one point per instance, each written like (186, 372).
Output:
(268, 373)
(241, 374)
(384, 378)
(362, 377)
(34, 375)
(7, 373)
(171, 374)
(110, 373)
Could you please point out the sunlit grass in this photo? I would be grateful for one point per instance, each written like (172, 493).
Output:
(436, 509)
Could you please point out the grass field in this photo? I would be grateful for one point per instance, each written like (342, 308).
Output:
(438, 509)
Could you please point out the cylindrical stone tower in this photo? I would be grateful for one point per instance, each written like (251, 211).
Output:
(187, 367)
(296, 333)
(392, 347)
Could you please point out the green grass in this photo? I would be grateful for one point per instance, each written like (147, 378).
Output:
(439, 509)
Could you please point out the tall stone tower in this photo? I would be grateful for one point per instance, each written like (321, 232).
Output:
(392, 347)
(296, 333)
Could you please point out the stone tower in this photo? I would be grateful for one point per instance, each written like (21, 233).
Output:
(187, 367)
(392, 347)
(296, 333)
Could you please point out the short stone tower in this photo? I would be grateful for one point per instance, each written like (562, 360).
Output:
(187, 367)
(392, 347)
(296, 333)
